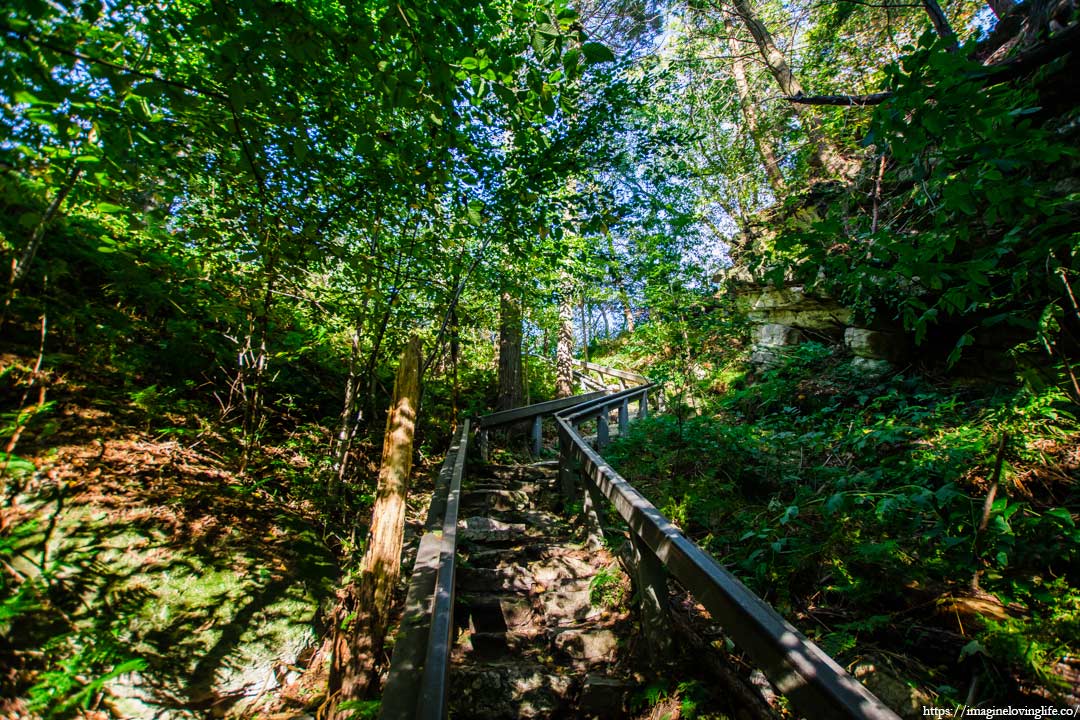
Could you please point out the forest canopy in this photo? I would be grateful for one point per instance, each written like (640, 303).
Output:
(222, 222)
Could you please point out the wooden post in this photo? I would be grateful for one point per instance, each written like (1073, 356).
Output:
(537, 434)
(363, 615)
(594, 512)
(567, 471)
(643, 405)
(624, 417)
(485, 447)
(652, 589)
(603, 437)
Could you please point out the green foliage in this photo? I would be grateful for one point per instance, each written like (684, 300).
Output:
(978, 228)
(815, 479)
(606, 589)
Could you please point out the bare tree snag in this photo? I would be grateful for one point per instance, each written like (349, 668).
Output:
(749, 109)
(827, 156)
(362, 616)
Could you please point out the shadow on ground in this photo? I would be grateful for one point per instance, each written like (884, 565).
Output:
(148, 549)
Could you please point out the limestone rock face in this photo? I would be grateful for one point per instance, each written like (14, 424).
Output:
(769, 339)
(875, 344)
(793, 307)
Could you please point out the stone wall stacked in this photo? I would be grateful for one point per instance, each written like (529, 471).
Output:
(788, 316)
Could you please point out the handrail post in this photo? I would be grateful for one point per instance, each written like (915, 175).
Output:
(567, 483)
(594, 511)
(537, 435)
(653, 591)
(484, 445)
(643, 405)
(603, 435)
(624, 417)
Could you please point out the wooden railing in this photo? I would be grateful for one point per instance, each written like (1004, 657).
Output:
(534, 413)
(416, 684)
(816, 685)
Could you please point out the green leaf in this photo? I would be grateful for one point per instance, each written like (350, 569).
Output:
(595, 53)
(1062, 515)
(23, 96)
(109, 208)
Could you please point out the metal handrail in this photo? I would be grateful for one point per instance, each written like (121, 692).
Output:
(416, 683)
(535, 412)
(799, 669)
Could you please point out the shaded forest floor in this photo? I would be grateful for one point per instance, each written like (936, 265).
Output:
(143, 574)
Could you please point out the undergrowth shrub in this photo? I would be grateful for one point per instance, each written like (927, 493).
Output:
(822, 488)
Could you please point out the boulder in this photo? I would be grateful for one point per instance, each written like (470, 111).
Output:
(875, 344)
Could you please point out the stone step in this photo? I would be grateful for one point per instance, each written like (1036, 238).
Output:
(487, 529)
(510, 691)
(495, 613)
(517, 472)
(526, 552)
(494, 499)
(506, 525)
(531, 487)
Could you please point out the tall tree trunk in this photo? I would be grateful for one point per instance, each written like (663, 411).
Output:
(1001, 8)
(941, 23)
(455, 353)
(259, 356)
(20, 266)
(584, 332)
(511, 386)
(749, 109)
(827, 156)
(564, 349)
(620, 284)
(348, 413)
(363, 615)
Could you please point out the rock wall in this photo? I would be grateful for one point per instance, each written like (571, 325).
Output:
(787, 316)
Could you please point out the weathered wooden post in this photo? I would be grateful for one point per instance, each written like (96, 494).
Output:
(566, 470)
(537, 435)
(594, 511)
(363, 615)
(643, 405)
(603, 436)
(653, 591)
(624, 417)
(484, 444)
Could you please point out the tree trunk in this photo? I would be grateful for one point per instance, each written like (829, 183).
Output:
(20, 267)
(348, 414)
(362, 616)
(827, 156)
(620, 285)
(746, 101)
(1001, 8)
(584, 332)
(564, 349)
(941, 23)
(511, 386)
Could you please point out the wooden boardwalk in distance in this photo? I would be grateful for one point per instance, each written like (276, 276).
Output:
(502, 621)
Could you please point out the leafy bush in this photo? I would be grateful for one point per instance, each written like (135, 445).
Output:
(864, 497)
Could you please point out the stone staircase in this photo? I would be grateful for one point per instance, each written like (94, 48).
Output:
(542, 621)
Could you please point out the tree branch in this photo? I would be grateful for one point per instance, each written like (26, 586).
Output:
(1059, 45)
